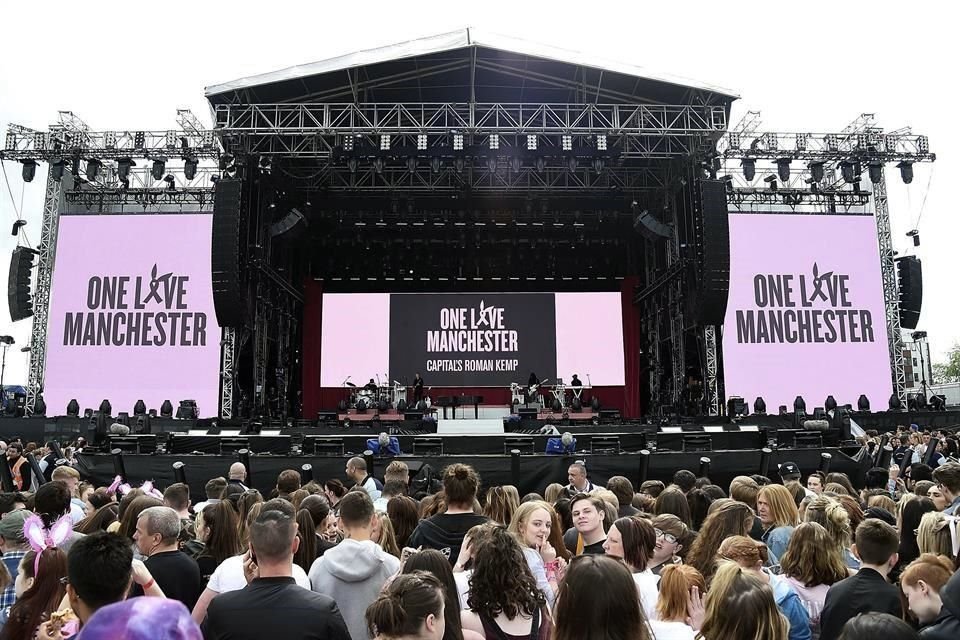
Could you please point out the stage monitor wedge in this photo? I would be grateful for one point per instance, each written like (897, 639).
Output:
(910, 276)
(709, 304)
(228, 299)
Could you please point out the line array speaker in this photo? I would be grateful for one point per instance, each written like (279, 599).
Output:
(225, 254)
(710, 305)
(910, 275)
(19, 296)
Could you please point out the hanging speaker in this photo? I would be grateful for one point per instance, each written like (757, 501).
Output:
(19, 296)
(709, 302)
(910, 276)
(225, 254)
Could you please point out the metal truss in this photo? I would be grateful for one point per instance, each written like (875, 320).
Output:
(651, 324)
(830, 199)
(228, 340)
(677, 335)
(41, 295)
(710, 353)
(866, 145)
(891, 293)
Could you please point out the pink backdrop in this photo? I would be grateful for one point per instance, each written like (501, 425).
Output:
(790, 245)
(130, 245)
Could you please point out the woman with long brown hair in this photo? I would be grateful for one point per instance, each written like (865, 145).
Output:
(598, 600)
(811, 564)
(740, 606)
(672, 500)
(39, 592)
(730, 519)
(405, 516)
(502, 501)
(217, 530)
(632, 539)
(246, 500)
(829, 513)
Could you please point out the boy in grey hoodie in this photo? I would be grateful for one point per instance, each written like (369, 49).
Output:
(354, 571)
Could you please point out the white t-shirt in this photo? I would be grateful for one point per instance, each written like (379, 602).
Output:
(647, 582)
(669, 630)
(229, 576)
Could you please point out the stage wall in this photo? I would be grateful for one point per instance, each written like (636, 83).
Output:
(806, 310)
(131, 313)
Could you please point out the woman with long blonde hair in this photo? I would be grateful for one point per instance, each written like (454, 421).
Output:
(830, 514)
(532, 524)
(811, 564)
(741, 606)
(779, 515)
(933, 535)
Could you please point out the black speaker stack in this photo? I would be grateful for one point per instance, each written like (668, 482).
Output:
(19, 296)
(910, 276)
(713, 268)
(228, 299)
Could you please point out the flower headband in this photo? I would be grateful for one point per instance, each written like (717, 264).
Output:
(41, 539)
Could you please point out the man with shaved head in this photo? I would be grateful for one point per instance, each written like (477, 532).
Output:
(237, 475)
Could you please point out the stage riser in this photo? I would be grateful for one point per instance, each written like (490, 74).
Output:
(535, 471)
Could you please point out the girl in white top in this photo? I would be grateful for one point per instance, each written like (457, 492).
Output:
(633, 539)
(677, 581)
(532, 523)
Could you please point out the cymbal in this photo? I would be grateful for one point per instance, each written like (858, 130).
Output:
(350, 384)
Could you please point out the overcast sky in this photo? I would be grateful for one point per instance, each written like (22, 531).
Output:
(811, 66)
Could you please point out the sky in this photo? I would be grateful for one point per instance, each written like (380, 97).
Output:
(812, 66)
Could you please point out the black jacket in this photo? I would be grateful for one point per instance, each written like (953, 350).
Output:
(444, 532)
(866, 591)
(947, 624)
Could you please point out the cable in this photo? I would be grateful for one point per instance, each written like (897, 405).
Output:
(16, 210)
(924, 203)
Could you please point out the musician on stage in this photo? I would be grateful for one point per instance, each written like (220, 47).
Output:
(533, 380)
(371, 386)
(575, 381)
(417, 389)
(530, 393)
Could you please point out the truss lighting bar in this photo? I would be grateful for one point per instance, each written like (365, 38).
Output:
(421, 142)
(385, 142)
(601, 142)
(348, 143)
(531, 142)
(458, 142)
(566, 142)
(494, 141)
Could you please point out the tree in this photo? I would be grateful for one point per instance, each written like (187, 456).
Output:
(948, 371)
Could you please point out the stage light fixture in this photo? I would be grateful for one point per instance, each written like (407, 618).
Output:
(378, 165)
(760, 406)
(73, 408)
(491, 164)
(894, 403)
(29, 170)
(816, 171)
(421, 142)
(863, 403)
(515, 164)
(938, 402)
(601, 142)
(190, 167)
(914, 235)
(159, 168)
(830, 403)
(906, 171)
(56, 169)
(385, 142)
(435, 164)
(352, 165)
(875, 171)
(347, 143)
(123, 167)
(801, 141)
(728, 184)
(225, 161)
(531, 142)
(458, 164)
(458, 142)
(170, 181)
(848, 172)
(572, 164)
(799, 405)
(566, 142)
(783, 169)
(411, 164)
(541, 164)
(749, 166)
(139, 139)
(771, 181)
(93, 169)
(598, 165)
(494, 141)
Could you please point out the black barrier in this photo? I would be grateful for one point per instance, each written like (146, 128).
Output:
(644, 467)
(119, 469)
(825, 459)
(515, 467)
(704, 467)
(6, 478)
(35, 468)
(244, 457)
(765, 455)
(306, 473)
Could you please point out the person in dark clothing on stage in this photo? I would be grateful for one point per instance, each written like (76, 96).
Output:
(868, 590)
(575, 381)
(370, 386)
(533, 380)
(417, 388)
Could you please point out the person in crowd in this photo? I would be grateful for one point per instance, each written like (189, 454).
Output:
(51, 502)
(936, 495)
(99, 520)
(319, 510)
(504, 598)
(553, 492)
(177, 574)
(934, 534)
(677, 582)
(730, 519)
(237, 475)
(611, 506)
(867, 590)
(357, 472)
(334, 490)
(288, 482)
(911, 511)
(98, 498)
(623, 489)
(432, 562)
(739, 606)
(70, 477)
(404, 515)
(699, 502)
(652, 488)
(294, 612)
(217, 529)
(532, 523)
(396, 480)
(445, 531)
(779, 515)
(354, 572)
(214, 491)
(830, 514)
(177, 497)
(924, 583)
(835, 477)
(46, 460)
(19, 468)
(684, 480)
(811, 565)
(577, 477)
(751, 556)
(233, 492)
(412, 608)
(39, 590)
(583, 611)
(672, 500)
(870, 626)
(790, 472)
(382, 534)
(947, 477)
(673, 538)
(588, 533)
(502, 501)
(142, 619)
(632, 539)
(14, 546)
(815, 482)
(249, 498)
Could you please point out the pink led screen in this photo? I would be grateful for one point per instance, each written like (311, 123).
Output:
(131, 313)
(806, 311)
(472, 339)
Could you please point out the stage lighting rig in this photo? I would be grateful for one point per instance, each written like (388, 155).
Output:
(771, 181)
(458, 142)
(848, 172)
(190, 167)
(783, 169)
(421, 142)
(816, 171)
(875, 171)
(749, 166)
(29, 170)
(914, 235)
(566, 142)
(159, 168)
(906, 171)
(494, 141)
(531, 142)
(601, 142)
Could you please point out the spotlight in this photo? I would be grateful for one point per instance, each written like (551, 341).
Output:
(572, 164)
(531, 142)
(73, 408)
(435, 164)
(749, 166)
(906, 171)
(29, 170)
(783, 169)
(515, 164)
(385, 142)
(105, 407)
(190, 167)
(799, 404)
(771, 181)
(494, 141)
(541, 164)
(914, 234)
(411, 164)
(458, 142)
(566, 141)
(491, 164)
(816, 171)
(894, 404)
(760, 406)
(421, 142)
(863, 403)
(875, 171)
(601, 142)
(830, 403)
(347, 143)
(378, 165)
(598, 165)
(458, 164)
(848, 172)
(123, 168)
(93, 169)
(166, 409)
(171, 182)
(352, 165)
(159, 168)
(56, 169)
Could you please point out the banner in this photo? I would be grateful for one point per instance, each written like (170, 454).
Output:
(471, 339)
(806, 311)
(131, 313)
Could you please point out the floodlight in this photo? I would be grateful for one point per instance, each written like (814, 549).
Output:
(749, 168)
(494, 141)
(906, 171)
(159, 168)
(566, 142)
(601, 142)
(190, 167)
(29, 170)
(531, 142)
(421, 142)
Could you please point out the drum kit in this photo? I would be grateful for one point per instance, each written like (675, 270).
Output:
(385, 395)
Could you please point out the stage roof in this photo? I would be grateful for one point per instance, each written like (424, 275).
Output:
(468, 65)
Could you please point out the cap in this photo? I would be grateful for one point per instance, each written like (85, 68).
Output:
(789, 469)
(11, 525)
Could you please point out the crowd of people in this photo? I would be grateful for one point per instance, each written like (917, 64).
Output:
(798, 556)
